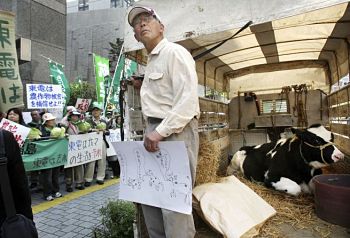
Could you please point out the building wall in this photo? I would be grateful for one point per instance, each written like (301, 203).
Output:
(315, 102)
(44, 23)
(72, 6)
(90, 32)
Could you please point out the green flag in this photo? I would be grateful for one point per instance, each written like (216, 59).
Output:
(127, 67)
(11, 88)
(101, 70)
(58, 77)
(44, 154)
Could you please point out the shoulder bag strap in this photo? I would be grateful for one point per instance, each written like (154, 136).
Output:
(4, 181)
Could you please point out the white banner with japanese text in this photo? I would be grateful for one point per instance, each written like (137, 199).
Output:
(19, 132)
(11, 88)
(114, 136)
(84, 148)
(44, 96)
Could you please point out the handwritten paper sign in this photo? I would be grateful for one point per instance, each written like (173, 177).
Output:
(84, 148)
(83, 104)
(160, 179)
(44, 96)
(114, 136)
(19, 132)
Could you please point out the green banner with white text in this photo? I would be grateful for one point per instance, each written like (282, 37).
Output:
(58, 77)
(101, 70)
(44, 154)
(11, 88)
(125, 68)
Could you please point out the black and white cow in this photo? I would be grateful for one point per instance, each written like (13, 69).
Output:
(289, 164)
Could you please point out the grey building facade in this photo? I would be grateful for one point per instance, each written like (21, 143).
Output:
(88, 5)
(43, 22)
(90, 32)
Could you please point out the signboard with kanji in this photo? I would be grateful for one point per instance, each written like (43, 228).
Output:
(82, 104)
(11, 88)
(84, 148)
(19, 132)
(44, 96)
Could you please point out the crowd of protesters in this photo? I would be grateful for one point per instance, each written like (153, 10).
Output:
(80, 176)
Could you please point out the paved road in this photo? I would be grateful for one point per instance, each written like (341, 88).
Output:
(75, 214)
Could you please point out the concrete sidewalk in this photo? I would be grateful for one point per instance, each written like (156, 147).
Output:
(75, 214)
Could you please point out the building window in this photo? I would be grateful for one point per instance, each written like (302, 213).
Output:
(273, 106)
(83, 5)
(114, 3)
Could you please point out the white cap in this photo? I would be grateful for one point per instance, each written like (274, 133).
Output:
(75, 112)
(47, 117)
(71, 108)
(138, 10)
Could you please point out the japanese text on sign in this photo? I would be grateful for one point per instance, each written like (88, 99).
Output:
(83, 104)
(44, 96)
(19, 132)
(44, 154)
(84, 148)
(11, 89)
(114, 136)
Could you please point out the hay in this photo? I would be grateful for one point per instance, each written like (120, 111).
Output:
(208, 163)
(295, 211)
(341, 167)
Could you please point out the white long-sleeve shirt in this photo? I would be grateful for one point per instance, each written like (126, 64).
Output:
(169, 89)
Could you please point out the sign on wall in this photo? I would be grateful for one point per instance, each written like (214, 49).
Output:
(44, 96)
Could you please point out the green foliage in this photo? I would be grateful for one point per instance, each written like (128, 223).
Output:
(117, 220)
(81, 90)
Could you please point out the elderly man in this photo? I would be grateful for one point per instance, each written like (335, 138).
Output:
(35, 123)
(170, 106)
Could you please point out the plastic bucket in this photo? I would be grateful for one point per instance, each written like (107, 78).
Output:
(332, 198)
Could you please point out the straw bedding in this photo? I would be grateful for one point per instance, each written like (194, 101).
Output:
(298, 212)
(295, 211)
(208, 163)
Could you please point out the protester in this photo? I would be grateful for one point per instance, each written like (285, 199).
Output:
(17, 178)
(36, 119)
(95, 120)
(170, 106)
(76, 173)
(15, 115)
(113, 162)
(36, 124)
(49, 177)
(118, 121)
(2, 115)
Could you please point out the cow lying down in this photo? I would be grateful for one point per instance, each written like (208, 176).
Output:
(289, 164)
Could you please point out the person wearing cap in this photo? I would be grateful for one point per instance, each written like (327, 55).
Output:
(73, 174)
(49, 177)
(170, 107)
(101, 163)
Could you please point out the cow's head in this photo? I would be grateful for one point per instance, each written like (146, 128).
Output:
(317, 146)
